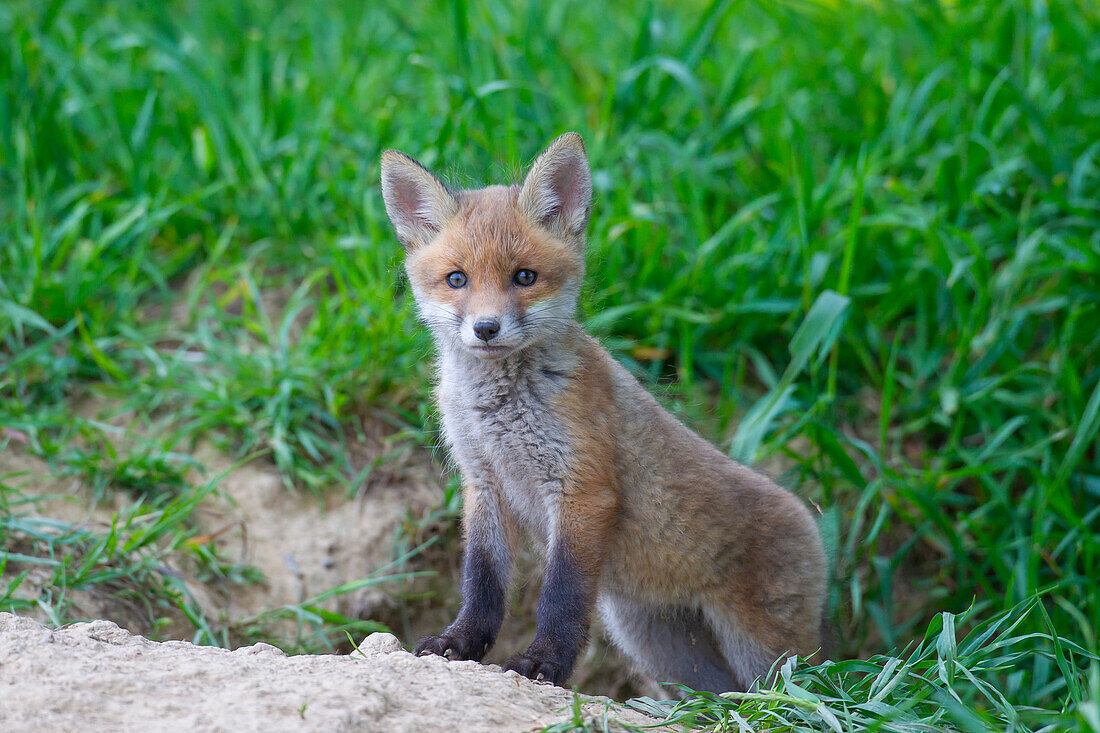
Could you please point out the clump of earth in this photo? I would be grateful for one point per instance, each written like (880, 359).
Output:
(97, 676)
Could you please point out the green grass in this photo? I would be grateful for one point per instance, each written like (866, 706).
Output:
(939, 682)
(143, 559)
(861, 242)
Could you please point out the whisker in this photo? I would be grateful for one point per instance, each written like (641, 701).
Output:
(426, 307)
(543, 319)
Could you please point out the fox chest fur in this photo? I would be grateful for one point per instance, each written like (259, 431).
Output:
(500, 422)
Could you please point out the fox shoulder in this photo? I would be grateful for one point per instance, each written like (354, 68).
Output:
(587, 409)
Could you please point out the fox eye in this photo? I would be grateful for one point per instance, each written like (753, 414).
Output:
(524, 277)
(456, 279)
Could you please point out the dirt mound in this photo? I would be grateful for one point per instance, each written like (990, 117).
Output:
(96, 676)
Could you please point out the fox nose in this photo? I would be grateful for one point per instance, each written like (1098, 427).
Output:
(487, 328)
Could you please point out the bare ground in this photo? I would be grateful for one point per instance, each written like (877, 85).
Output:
(96, 676)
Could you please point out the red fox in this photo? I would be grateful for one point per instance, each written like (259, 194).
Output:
(704, 571)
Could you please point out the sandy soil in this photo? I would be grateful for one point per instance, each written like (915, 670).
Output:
(306, 544)
(96, 676)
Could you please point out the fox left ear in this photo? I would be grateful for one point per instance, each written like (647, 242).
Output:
(557, 193)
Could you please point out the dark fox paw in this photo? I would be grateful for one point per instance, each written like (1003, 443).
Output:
(537, 668)
(452, 646)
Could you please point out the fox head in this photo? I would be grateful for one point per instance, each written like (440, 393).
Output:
(497, 269)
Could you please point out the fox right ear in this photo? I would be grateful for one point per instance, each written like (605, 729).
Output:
(417, 202)
(557, 192)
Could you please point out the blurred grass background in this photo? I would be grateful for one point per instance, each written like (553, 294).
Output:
(858, 243)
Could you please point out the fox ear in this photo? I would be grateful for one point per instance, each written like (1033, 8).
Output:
(417, 202)
(557, 193)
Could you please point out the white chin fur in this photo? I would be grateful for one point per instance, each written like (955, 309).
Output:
(491, 353)
(495, 349)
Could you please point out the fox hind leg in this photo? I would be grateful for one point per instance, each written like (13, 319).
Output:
(669, 644)
(754, 632)
(747, 657)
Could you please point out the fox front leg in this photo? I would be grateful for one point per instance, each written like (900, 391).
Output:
(485, 567)
(573, 568)
(564, 615)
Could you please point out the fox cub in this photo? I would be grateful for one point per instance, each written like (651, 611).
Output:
(703, 571)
